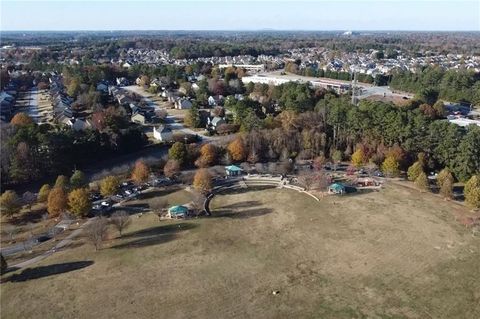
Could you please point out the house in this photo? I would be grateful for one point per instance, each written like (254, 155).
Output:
(122, 81)
(215, 100)
(139, 118)
(177, 211)
(213, 123)
(79, 124)
(162, 133)
(183, 104)
(336, 188)
(366, 181)
(102, 87)
(233, 170)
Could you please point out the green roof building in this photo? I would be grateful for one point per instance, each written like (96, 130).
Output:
(177, 211)
(336, 188)
(233, 170)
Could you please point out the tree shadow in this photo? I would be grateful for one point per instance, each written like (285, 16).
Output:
(239, 190)
(158, 193)
(46, 271)
(249, 203)
(153, 236)
(249, 213)
(32, 216)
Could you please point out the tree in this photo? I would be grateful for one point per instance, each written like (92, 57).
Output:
(57, 202)
(171, 168)
(390, 166)
(120, 220)
(79, 202)
(43, 193)
(315, 180)
(78, 179)
(202, 181)
(61, 182)
(29, 198)
(439, 108)
(73, 88)
(144, 80)
(178, 152)
(443, 176)
(96, 231)
(414, 171)
(141, 172)
(158, 204)
(21, 119)
(208, 154)
(237, 149)
(472, 191)
(10, 203)
(337, 157)
(198, 202)
(422, 182)
(192, 118)
(446, 190)
(358, 158)
(319, 162)
(3, 265)
(109, 185)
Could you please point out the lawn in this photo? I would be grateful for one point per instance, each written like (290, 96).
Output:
(389, 254)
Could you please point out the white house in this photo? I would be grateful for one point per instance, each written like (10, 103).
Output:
(214, 122)
(162, 133)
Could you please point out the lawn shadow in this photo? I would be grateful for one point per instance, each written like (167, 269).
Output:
(46, 271)
(249, 213)
(158, 192)
(32, 216)
(248, 203)
(240, 190)
(153, 236)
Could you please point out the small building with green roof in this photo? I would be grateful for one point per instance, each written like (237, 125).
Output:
(233, 170)
(336, 188)
(177, 211)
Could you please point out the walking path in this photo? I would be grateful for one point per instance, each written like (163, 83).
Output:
(64, 242)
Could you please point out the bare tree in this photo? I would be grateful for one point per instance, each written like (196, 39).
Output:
(313, 180)
(10, 230)
(96, 231)
(198, 202)
(158, 204)
(120, 220)
(29, 199)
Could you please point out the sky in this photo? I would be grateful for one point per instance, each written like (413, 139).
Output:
(426, 15)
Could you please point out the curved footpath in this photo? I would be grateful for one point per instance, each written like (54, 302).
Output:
(252, 180)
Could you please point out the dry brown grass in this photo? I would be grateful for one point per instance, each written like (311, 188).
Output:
(389, 254)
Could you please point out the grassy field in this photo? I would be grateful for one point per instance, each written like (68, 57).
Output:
(389, 254)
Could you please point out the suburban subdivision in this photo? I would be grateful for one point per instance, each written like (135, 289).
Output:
(239, 174)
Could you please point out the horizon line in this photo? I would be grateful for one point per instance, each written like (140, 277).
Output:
(240, 30)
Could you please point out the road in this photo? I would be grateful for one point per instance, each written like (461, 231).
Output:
(172, 121)
(64, 242)
(28, 103)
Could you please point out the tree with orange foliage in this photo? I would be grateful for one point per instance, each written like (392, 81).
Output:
(21, 119)
(140, 172)
(202, 181)
(208, 154)
(57, 201)
(237, 149)
(171, 168)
